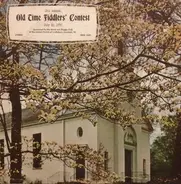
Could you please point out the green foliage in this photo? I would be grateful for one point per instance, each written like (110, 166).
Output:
(161, 157)
(162, 149)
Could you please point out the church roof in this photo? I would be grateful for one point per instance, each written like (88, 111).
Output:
(30, 118)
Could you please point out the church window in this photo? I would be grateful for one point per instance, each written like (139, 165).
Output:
(80, 132)
(144, 167)
(106, 161)
(36, 151)
(2, 154)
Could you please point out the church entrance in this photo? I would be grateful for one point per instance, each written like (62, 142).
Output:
(80, 171)
(128, 165)
(130, 154)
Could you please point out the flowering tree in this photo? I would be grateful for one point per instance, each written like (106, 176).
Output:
(136, 59)
(68, 155)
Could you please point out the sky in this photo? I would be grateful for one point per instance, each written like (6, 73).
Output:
(156, 133)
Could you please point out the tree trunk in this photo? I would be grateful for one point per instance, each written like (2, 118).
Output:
(16, 156)
(176, 166)
(15, 151)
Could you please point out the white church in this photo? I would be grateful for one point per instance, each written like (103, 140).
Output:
(128, 150)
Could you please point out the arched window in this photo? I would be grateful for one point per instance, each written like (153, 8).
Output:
(80, 132)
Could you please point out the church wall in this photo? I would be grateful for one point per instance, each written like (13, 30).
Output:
(89, 137)
(119, 153)
(106, 138)
(105, 132)
(143, 150)
(49, 132)
(53, 171)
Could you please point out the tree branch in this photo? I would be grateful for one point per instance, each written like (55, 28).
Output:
(161, 61)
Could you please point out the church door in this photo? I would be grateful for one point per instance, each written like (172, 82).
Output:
(80, 171)
(128, 165)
